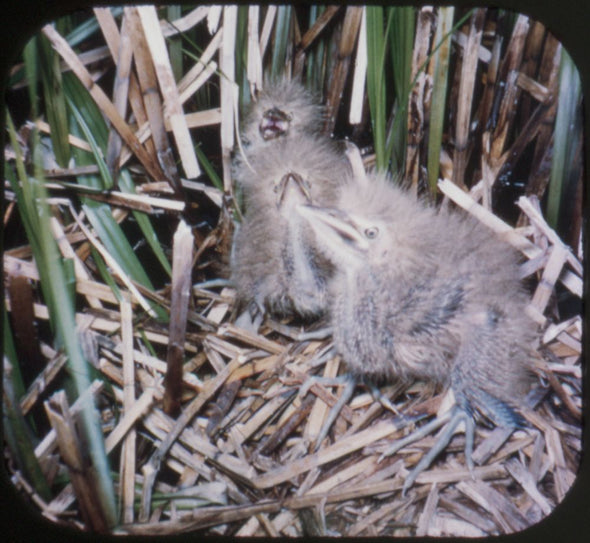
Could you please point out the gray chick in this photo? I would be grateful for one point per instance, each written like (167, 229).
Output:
(423, 294)
(286, 162)
(275, 265)
(270, 262)
(284, 108)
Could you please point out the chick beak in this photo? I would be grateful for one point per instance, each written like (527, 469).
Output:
(335, 227)
(293, 184)
(274, 124)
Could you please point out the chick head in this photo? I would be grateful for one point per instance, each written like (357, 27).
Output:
(282, 110)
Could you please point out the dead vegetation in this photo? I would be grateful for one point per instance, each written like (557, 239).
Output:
(238, 459)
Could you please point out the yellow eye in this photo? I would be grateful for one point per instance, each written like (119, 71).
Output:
(372, 233)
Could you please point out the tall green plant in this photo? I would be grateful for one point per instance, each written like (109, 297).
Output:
(88, 123)
(564, 168)
(17, 432)
(376, 52)
(282, 36)
(439, 94)
(315, 63)
(401, 44)
(55, 101)
(31, 199)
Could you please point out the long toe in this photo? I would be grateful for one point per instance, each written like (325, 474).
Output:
(346, 394)
(449, 422)
(383, 400)
(424, 430)
(297, 334)
(456, 417)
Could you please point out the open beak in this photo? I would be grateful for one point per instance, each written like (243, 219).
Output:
(274, 124)
(334, 227)
(293, 182)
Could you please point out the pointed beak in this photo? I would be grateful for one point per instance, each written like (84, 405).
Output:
(294, 183)
(334, 227)
(274, 124)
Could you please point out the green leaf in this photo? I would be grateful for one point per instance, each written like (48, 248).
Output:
(31, 58)
(281, 42)
(208, 167)
(91, 126)
(55, 104)
(316, 54)
(401, 44)
(564, 167)
(376, 51)
(53, 276)
(87, 28)
(175, 43)
(439, 94)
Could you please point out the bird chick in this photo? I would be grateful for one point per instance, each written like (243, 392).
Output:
(275, 265)
(284, 108)
(286, 162)
(418, 293)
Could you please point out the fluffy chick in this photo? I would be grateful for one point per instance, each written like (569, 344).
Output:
(286, 162)
(418, 293)
(275, 265)
(284, 108)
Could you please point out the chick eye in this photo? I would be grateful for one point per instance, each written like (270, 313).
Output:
(371, 233)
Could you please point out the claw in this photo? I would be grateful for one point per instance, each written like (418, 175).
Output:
(456, 416)
(378, 397)
(450, 420)
(350, 383)
(251, 318)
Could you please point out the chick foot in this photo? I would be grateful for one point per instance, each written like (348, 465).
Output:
(251, 318)
(450, 421)
(350, 382)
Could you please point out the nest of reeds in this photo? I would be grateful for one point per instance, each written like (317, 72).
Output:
(208, 427)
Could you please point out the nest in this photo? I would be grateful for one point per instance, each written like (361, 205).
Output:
(239, 457)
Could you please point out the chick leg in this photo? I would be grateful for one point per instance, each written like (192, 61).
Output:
(349, 386)
(350, 383)
(468, 382)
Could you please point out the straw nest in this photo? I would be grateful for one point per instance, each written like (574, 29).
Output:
(238, 458)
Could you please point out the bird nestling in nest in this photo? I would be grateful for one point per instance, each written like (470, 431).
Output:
(283, 109)
(286, 162)
(421, 293)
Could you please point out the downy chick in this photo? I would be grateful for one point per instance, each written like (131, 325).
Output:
(275, 265)
(286, 162)
(418, 293)
(285, 108)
